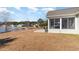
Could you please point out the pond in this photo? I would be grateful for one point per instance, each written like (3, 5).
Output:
(2, 29)
(10, 28)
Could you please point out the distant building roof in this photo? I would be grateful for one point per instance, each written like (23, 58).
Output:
(67, 11)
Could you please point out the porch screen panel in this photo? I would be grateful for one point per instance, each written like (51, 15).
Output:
(71, 23)
(64, 23)
(68, 23)
(51, 23)
(55, 23)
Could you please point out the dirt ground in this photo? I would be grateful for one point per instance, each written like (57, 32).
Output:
(28, 40)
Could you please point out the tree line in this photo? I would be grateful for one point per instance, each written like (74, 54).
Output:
(5, 16)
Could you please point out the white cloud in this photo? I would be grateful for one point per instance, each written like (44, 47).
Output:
(34, 9)
(45, 10)
(12, 12)
(18, 8)
(48, 9)
(2, 9)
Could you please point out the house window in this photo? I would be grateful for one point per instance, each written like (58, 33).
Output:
(68, 23)
(55, 23)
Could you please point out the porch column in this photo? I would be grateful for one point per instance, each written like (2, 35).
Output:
(48, 23)
(60, 23)
(76, 24)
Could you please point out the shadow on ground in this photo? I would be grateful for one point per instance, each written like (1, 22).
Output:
(5, 41)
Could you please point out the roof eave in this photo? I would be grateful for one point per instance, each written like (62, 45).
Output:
(61, 15)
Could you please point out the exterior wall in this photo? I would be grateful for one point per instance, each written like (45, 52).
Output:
(66, 31)
(78, 23)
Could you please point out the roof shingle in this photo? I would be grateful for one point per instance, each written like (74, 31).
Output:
(63, 11)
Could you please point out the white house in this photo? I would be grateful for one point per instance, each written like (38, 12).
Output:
(64, 21)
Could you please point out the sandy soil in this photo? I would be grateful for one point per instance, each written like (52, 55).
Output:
(28, 40)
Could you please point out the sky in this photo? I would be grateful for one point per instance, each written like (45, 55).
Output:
(27, 13)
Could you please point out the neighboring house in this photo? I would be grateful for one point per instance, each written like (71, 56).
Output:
(64, 21)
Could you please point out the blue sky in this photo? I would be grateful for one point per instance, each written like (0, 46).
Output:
(27, 13)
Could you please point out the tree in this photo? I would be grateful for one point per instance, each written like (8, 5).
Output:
(42, 23)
